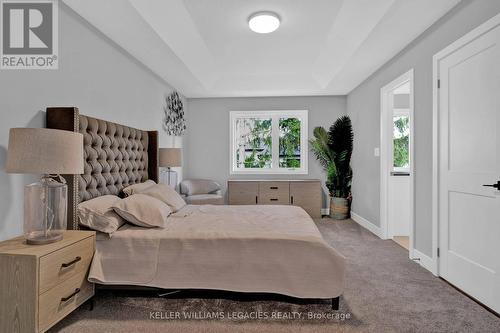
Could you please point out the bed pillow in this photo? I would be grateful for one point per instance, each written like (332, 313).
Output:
(167, 195)
(137, 188)
(143, 211)
(98, 214)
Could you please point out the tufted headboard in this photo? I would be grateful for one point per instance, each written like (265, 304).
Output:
(115, 156)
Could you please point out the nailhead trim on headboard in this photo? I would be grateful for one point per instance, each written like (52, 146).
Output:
(76, 122)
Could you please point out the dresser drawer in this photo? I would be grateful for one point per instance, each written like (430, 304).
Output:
(274, 193)
(274, 200)
(59, 301)
(69, 261)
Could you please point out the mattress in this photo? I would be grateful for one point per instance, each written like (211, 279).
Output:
(268, 249)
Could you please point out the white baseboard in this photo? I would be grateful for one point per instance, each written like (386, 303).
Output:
(367, 224)
(425, 261)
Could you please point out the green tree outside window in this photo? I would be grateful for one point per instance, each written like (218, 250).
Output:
(401, 142)
(289, 145)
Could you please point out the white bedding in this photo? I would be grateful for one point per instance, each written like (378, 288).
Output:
(275, 249)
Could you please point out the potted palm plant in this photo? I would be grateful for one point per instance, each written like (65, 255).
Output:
(333, 150)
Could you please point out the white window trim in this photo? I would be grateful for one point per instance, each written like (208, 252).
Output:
(274, 114)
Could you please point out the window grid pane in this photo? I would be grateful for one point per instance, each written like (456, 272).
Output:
(401, 142)
(253, 143)
(289, 142)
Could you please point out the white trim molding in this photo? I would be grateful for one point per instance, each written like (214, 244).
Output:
(386, 128)
(461, 42)
(274, 116)
(367, 224)
(424, 261)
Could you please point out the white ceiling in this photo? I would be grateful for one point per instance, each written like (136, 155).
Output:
(205, 49)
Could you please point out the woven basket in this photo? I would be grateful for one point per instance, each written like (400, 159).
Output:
(339, 208)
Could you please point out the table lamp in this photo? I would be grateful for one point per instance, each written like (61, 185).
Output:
(169, 158)
(48, 152)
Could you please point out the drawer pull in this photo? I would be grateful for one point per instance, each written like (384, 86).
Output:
(72, 262)
(273, 199)
(67, 298)
(273, 187)
(291, 198)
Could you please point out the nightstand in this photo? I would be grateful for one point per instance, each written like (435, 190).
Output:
(41, 284)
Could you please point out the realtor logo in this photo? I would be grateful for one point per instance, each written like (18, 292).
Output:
(29, 36)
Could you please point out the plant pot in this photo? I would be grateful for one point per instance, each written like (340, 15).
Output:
(339, 208)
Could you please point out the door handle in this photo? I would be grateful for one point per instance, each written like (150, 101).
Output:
(497, 185)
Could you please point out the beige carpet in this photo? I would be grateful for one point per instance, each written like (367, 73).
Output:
(385, 292)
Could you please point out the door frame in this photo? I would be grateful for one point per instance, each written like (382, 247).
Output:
(385, 156)
(436, 59)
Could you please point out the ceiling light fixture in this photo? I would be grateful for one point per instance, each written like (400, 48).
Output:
(264, 22)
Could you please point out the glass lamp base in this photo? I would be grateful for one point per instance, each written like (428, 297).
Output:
(45, 211)
(40, 238)
(168, 177)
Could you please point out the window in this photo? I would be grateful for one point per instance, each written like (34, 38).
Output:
(401, 140)
(268, 142)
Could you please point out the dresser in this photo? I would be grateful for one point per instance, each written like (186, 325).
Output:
(41, 284)
(303, 193)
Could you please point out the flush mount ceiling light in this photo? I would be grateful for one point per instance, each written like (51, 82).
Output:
(264, 22)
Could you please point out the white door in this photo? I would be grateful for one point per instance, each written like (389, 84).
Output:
(469, 156)
(400, 159)
(399, 212)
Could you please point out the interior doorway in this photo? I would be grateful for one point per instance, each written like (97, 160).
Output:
(397, 161)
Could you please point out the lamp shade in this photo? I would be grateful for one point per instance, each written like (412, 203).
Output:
(44, 151)
(170, 157)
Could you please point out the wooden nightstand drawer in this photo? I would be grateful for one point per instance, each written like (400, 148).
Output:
(62, 264)
(36, 291)
(59, 301)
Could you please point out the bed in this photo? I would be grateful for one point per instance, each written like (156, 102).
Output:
(248, 249)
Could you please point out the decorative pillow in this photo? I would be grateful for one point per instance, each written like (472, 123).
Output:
(167, 195)
(137, 188)
(143, 211)
(98, 214)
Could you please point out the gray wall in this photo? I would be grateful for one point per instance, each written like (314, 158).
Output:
(206, 152)
(94, 75)
(363, 105)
